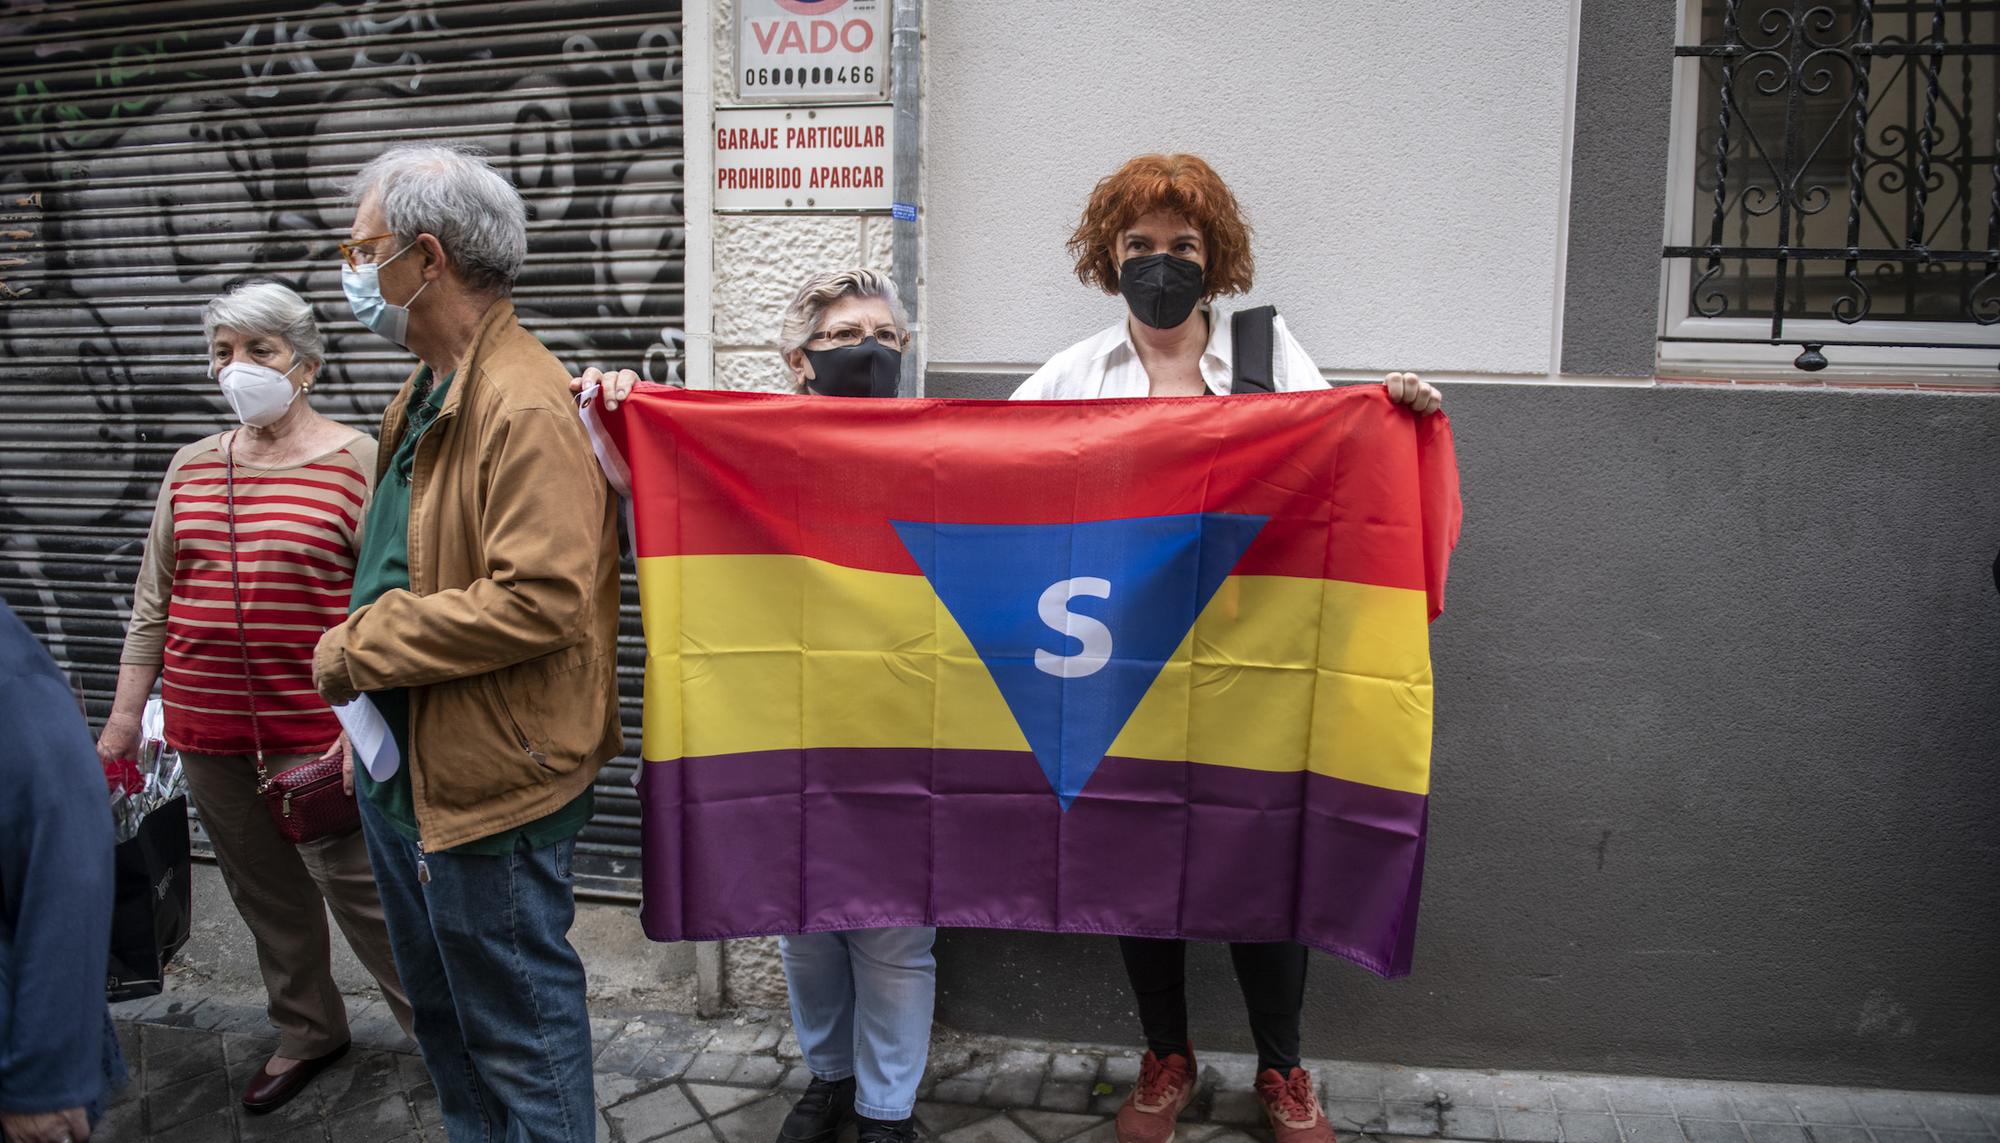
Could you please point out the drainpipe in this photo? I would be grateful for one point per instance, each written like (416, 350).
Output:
(905, 91)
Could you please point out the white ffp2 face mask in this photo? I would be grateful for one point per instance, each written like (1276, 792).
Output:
(259, 394)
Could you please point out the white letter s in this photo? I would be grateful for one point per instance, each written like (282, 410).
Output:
(1095, 636)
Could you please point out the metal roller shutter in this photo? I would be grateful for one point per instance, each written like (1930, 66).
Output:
(153, 154)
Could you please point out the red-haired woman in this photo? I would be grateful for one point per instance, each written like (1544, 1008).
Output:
(1165, 232)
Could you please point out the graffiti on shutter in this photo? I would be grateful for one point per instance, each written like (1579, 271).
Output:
(152, 155)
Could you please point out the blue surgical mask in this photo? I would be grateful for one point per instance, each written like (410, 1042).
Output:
(364, 297)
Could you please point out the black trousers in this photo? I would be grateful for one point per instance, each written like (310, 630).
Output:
(1271, 975)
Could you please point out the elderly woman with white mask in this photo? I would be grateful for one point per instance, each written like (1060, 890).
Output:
(250, 558)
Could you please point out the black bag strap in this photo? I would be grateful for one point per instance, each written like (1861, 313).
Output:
(1253, 343)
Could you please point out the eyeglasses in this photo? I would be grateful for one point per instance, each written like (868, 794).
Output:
(351, 252)
(848, 336)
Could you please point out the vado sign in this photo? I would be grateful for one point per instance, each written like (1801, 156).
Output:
(803, 158)
(797, 50)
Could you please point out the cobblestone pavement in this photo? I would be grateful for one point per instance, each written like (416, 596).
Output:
(663, 1075)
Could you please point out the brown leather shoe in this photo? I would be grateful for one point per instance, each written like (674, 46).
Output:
(267, 1092)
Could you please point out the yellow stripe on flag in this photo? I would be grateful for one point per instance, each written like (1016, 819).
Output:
(1279, 673)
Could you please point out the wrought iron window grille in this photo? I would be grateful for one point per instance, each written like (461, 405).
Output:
(1905, 150)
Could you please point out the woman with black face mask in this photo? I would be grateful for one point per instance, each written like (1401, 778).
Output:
(843, 335)
(861, 1000)
(1165, 232)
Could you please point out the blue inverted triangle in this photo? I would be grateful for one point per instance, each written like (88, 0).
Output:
(1074, 621)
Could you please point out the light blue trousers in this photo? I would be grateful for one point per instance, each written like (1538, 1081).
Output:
(861, 1005)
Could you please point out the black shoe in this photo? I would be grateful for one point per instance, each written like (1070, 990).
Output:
(820, 1113)
(886, 1130)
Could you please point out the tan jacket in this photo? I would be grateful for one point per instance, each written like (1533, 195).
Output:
(507, 639)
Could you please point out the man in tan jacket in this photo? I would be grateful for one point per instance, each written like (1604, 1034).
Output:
(483, 625)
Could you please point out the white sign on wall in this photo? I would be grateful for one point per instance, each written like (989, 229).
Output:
(803, 158)
(798, 50)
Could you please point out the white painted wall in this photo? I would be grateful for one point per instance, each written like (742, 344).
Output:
(1400, 163)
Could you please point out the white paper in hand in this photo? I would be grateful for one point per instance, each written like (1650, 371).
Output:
(369, 733)
(153, 721)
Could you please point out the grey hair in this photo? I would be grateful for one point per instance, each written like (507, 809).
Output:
(822, 290)
(264, 308)
(455, 194)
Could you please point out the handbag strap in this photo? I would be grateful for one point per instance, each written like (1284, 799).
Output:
(1253, 347)
(236, 603)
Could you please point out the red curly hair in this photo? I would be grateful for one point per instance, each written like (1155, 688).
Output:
(1179, 184)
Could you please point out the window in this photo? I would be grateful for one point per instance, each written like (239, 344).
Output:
(1836, 189)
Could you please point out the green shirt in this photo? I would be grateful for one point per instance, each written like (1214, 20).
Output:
(383, 565)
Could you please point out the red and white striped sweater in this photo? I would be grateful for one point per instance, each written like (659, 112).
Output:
(297, 529)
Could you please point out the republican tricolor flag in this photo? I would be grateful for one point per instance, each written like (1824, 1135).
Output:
(1149, 667)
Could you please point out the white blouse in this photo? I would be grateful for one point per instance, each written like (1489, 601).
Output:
(1107, 365)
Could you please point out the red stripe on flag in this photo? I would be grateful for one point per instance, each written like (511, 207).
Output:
(1349, 481)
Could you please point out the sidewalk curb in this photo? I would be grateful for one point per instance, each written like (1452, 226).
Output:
(730, 1079)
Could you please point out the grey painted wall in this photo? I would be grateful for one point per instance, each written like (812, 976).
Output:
(1718, 686)
(1618, 169)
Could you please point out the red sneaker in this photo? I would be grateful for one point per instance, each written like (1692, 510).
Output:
(1292, 1108)
(1162, 1093)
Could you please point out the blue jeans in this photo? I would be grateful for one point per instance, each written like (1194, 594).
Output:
(495, 987)
(861, 1005)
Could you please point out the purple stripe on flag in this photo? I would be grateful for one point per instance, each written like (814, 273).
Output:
(814, 840)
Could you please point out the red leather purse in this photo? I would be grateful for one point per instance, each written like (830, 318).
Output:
(306, 802)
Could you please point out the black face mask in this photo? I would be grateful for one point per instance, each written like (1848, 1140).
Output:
(1161, 289)
(869, 369)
